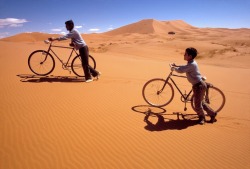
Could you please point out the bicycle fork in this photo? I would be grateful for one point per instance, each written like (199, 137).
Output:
(166, 81)
(44, 53)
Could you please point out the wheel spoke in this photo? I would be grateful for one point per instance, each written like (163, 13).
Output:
(40, 63)
(216, 99)
(151, 93)
(76, 65)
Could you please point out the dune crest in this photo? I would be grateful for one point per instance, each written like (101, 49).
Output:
(29, 37)
(148, 26)
(227, 45)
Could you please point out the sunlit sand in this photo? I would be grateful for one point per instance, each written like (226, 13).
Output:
(58, 121)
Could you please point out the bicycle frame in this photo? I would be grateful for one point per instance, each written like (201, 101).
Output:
(66, 64)
(185, 96)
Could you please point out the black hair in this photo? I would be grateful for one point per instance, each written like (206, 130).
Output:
(192, 51)
(69, 22)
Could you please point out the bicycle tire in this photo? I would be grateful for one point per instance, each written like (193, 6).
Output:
(76, 65)
(152, 97)
(41, 62)
(216, 98)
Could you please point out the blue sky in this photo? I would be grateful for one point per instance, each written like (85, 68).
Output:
(17, 16)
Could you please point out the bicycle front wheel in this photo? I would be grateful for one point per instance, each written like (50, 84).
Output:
(76, 65)
(154, 93)
(215, 99)
(41, 62)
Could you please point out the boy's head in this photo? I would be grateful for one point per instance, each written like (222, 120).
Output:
(190, 53)
(69, 25)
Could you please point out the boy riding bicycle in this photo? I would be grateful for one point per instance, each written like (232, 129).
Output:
(199, 86)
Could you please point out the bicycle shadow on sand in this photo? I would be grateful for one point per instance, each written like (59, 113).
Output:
(50, 79)
(157, 119)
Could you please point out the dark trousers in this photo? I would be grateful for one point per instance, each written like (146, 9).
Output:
(199, 91)
(88, 70)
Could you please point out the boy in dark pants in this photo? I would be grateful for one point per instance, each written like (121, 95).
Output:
(199, 86)
(78, 43)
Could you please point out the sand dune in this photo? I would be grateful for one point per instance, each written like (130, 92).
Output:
(58, 121)
(29, 37)
(152, 26)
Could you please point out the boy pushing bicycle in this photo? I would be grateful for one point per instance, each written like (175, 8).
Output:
(199, 86)
(78, 43)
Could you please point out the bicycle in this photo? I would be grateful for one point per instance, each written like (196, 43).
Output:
(42, 62)
(160, 92)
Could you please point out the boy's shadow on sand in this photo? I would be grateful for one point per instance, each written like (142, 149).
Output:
(164, 123)
(161, 124)
(38, 79)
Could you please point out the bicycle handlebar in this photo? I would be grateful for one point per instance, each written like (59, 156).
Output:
(171, 65)
(204, 78)
(52, 45)
(47, 41)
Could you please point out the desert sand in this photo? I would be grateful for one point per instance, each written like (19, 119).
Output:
(60, 122)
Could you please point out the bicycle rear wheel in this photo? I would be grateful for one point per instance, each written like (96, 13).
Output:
(215, 99)
(153, 95)
(41, 62)
(76, 65)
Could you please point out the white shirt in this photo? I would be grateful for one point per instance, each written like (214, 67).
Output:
(75, 37)
(192, 72)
